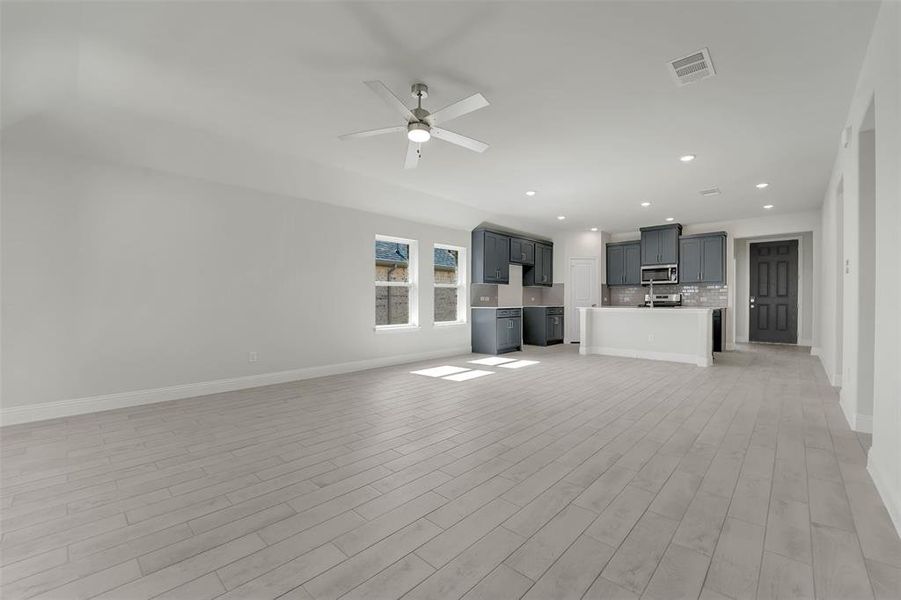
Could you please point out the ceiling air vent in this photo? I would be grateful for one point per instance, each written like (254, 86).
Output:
(691, 68)
(714, 191)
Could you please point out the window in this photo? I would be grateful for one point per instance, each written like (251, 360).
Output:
(395, 283)
(449, 266)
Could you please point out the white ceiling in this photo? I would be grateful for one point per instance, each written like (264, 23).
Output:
(583, 109)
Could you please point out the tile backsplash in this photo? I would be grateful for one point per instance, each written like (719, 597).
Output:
(489, 294)
(692, 294)
(483, 294)
(543, 296)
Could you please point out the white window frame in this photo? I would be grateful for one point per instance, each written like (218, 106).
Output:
(462, 295)
(411, 284)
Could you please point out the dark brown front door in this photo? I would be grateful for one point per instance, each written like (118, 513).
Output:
(774, 292)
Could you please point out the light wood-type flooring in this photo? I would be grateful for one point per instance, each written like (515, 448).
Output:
(577, 477)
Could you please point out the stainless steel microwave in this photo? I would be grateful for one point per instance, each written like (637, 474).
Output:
(660, 274)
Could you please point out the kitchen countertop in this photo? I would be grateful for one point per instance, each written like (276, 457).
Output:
(495, 307)
(683, 307)
(642, 309)
(523, 306)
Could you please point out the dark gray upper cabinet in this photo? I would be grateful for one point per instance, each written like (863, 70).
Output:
(713, 259)
(624, 263)
(490, 257)
(522, 252)
(547, 267)
(660, 244)
(616, 266)
(690, 260)
(542, 273)
(702, 258)
(492, 253)
(632, 258)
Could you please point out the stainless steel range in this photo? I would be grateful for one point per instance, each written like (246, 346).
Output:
(663, 300)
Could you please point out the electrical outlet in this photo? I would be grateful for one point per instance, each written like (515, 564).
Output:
(253, 357)
(651, 338)
(484, 298)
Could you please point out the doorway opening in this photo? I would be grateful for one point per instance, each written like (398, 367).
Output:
(773, 310)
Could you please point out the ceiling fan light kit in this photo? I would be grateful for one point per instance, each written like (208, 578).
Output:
(421, 124)
(419, 132)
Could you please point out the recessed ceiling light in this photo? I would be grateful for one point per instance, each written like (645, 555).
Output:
(687, 157)
(646, 204)
(768, 206)
(714, 191)
(560, 218)
(530, 193)
(669, 219)
(762, 185)
(594, 228)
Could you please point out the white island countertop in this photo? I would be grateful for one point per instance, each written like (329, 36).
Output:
(676, 334)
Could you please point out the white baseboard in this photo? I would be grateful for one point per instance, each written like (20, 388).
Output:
(805, 342)
(891, 496)
(815, 351)
(66, 408)
(857, 421)
(741, 339)
(649, 355)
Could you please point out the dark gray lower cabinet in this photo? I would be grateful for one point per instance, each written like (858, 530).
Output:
(542, 325)
(702, 258)
(496, 330)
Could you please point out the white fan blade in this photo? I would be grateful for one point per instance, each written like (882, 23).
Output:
(460, 140)
(371, 132)
(412, 155)
(458, 109)
(390, 99)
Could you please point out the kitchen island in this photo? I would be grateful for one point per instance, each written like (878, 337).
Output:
(674, 334)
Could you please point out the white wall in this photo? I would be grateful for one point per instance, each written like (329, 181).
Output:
(878, 83)
(830, 288)
(582, 244)
(119, 279)
(773, 225)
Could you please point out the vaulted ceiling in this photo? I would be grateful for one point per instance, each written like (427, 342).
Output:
(583, 109)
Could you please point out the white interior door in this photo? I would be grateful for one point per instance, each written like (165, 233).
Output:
(583, 285)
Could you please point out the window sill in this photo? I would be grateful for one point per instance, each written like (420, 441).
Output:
(441, 324)
(395, 328)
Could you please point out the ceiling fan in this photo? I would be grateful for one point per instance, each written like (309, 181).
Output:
(421, 124)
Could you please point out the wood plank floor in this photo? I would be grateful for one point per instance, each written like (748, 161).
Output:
(577, 477)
